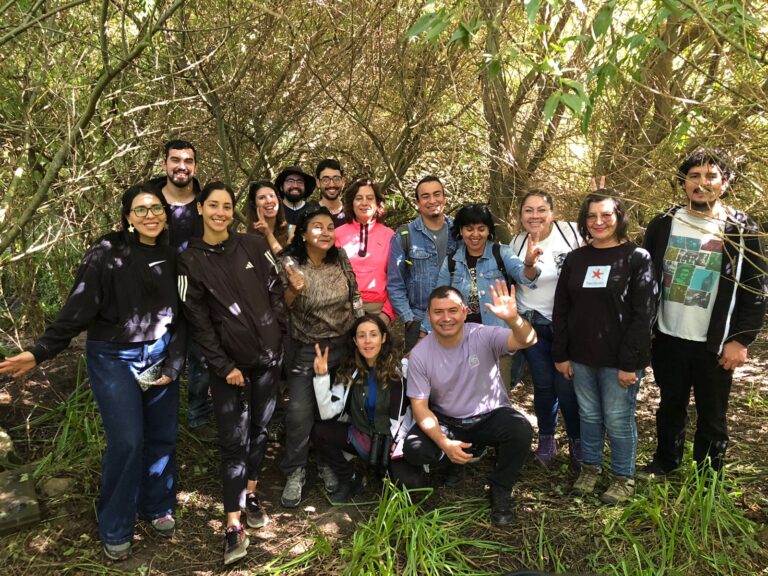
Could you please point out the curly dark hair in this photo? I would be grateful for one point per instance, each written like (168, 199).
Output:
(349, 198)
(387, 366)
(298, 248)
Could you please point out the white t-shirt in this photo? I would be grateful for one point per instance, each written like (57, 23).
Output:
(556, 246)
(692, 263)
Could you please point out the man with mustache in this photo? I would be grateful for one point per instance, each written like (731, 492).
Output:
(294, 187)
(180, 188)
(331, 181)
(709, 313)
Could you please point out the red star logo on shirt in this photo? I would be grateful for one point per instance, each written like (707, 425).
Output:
(597, 274)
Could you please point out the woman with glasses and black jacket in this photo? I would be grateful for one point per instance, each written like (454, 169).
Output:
(124, 295)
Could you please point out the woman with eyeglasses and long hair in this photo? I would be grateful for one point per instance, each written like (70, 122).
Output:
(323, 302)
(551, 390)
(233, 299)
(124, 295)
(365, 239)
(605, 303)
(264, 215)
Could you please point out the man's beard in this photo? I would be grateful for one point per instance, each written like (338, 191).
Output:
(180, 179)
(294, 196)
(700, 206)
(327, 193)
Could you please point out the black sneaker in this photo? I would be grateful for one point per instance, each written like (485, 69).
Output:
(255, 514)
(346, 491)
(651, 471)
(501, 506)
(235, 544)
(456, 474)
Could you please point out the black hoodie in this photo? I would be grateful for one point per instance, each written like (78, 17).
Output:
(185, 223)
(233, 300)
(109, 299)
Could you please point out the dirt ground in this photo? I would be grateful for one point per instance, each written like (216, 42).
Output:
(66, 540)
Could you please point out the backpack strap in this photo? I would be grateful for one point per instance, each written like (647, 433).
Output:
(496, 249)
(405, 242)
(574, 234)
(520, 250)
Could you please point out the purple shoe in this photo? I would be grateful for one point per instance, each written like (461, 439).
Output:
(546, 450)
(574, 450)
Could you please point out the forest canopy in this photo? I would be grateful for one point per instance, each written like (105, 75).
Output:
(492, 96)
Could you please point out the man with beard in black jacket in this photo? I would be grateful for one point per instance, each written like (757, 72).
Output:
(711, 269)
(180, 190)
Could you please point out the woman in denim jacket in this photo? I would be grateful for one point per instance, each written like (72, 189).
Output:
(478, 262)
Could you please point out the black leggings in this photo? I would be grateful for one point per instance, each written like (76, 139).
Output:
(242, 414)
(329, 438)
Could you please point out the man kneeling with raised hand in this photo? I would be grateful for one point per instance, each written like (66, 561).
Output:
(457, 394)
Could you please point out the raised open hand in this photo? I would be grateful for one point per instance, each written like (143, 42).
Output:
(503, 303)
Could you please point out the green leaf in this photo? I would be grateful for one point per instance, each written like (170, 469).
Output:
(494, 68)
(551, 104)
(602, 20)
(422, 24)
(576, 86)
(461, 34)
(573, 101)
(441, 23)
(532, 9)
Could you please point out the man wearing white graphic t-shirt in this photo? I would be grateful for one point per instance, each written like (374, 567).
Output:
(710, 265)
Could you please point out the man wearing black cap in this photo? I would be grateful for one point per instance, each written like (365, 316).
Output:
(294, 187)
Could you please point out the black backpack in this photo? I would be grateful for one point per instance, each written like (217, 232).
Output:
(496, 249)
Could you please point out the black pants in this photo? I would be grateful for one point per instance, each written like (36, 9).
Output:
(504, 428)
(330, 440)
(679, 365)
(302, 410)
(242, 414)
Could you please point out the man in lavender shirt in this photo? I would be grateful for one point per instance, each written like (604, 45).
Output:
(458, 398)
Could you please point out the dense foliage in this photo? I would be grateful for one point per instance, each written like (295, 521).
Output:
(494, 96)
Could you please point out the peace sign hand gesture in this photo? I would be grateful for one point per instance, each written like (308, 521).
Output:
(534, 251)
(321, 361)
(260, 225)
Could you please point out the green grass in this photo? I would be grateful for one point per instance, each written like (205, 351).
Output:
(691, 527)
(75, 447)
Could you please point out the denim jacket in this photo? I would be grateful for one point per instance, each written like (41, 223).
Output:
(411, 278)
(487, 273)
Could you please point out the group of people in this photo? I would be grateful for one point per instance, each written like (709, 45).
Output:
(308, 293)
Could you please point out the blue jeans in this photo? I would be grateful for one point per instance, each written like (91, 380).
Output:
(551, 390)
(138, 472)
(606, 406)
(198, 405)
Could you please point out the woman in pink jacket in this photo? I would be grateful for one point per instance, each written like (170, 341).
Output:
(365, 239)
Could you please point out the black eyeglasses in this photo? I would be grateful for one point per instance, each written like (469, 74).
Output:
(142, 211)
(329, 179)
(294, 181)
